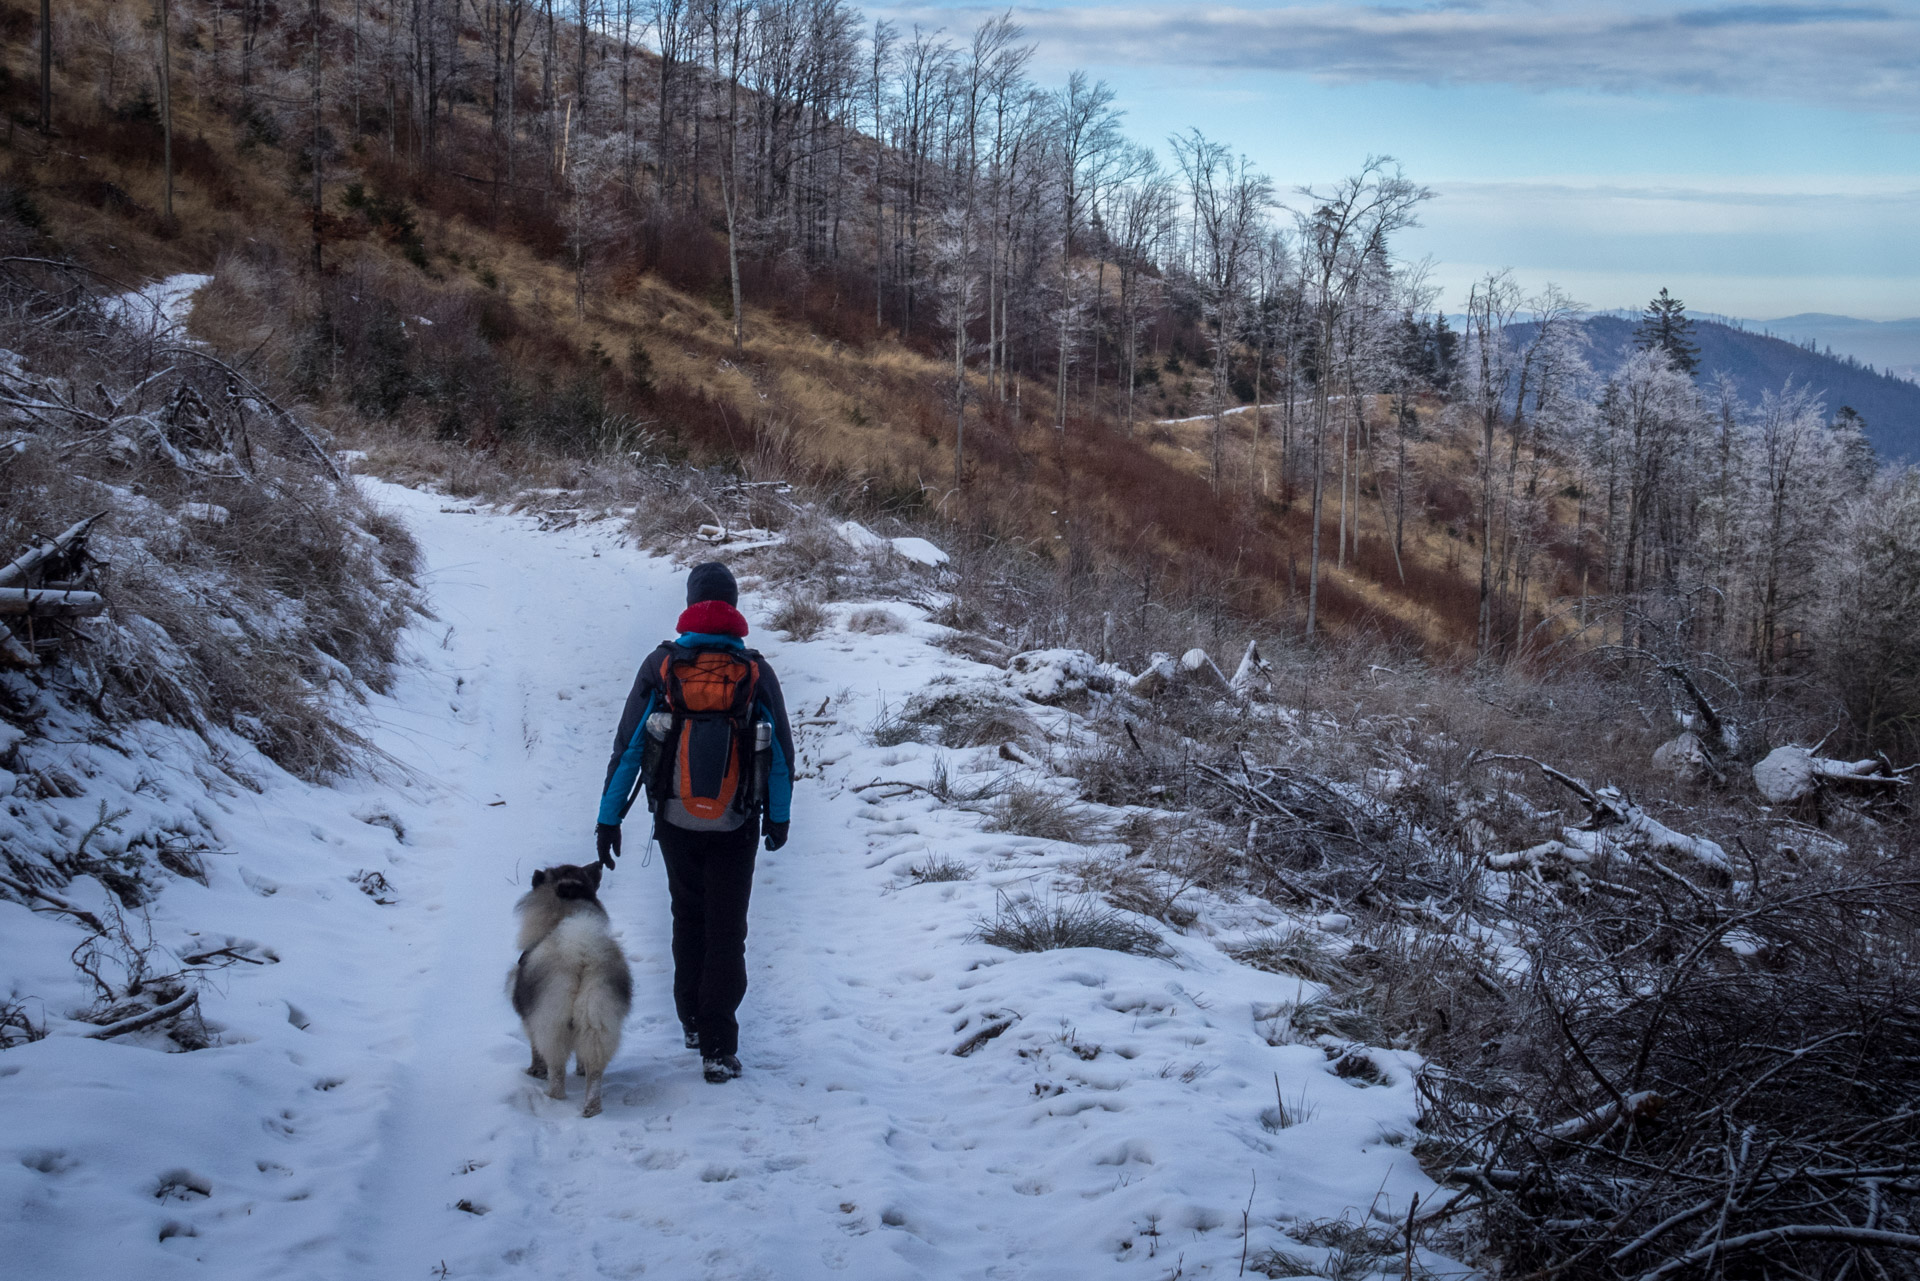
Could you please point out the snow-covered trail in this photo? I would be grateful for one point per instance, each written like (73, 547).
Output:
(1106, 1115)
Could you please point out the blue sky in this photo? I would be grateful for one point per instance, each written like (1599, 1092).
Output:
(1759, 159)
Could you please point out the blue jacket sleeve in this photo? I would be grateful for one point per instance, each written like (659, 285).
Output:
(629, 746)
(773, 705)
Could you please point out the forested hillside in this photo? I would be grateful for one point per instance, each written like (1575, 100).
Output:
(890, 261)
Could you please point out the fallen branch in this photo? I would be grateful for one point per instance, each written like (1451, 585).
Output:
(80, 914)
(201, 958)
(1791, 1232)
(177, 1005)
(896, 782)
(1639, 1105)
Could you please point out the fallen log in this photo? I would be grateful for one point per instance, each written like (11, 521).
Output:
(49, 603)
(55, 548)
(1614, 818)
(1789, 774)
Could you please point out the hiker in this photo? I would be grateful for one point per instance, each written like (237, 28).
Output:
(705, 733)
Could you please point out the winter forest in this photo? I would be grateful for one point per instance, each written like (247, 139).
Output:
(1375, 795)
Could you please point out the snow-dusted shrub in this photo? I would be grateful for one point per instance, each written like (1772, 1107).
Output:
(1058, 676)
(955, 714)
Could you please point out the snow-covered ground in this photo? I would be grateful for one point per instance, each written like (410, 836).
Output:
(161, 307)
(364, 1114)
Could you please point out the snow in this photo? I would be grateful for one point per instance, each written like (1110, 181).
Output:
(859, 537)
(1056, 675)
(161, 307)
(363, 1111)
(920, 551)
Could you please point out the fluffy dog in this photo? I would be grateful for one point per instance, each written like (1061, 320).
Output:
(571, 988)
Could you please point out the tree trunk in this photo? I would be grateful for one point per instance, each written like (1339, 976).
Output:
(46, 66)
(166, 102)
(318, 162)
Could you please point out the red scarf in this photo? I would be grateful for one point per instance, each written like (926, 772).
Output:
(714, 618)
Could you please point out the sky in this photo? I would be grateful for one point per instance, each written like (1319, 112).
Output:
(1759, 159)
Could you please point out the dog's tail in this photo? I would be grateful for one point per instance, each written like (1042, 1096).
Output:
(599, 1008)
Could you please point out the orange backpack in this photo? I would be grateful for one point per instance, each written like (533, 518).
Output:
(705, 775)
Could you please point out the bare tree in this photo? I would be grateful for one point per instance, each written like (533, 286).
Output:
(728, 28)
(1343, 237)
(1228, 201)
(1139, 220)
(1493, 305)
(1086, 131)
(166, 94)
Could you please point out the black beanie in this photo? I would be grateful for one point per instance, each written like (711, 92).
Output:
(712, 581)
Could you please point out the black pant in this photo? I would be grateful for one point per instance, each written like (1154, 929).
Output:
(709, 877)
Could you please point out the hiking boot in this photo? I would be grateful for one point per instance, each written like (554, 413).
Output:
(721, 1068)
(693, 1038)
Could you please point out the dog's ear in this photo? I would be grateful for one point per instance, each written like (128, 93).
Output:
(539, 878)
(593, 876)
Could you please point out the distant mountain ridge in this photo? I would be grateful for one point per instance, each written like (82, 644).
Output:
(1759, 362)
(1892, 345)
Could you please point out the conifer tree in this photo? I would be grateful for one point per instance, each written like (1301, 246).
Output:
(1666, 325)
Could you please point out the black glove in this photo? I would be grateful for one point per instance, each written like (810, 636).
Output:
(775, 834)
(606, 842)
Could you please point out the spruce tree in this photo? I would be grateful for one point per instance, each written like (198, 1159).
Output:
(1665, 324)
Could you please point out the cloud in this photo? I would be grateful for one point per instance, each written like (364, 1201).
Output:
(1744, 245)
(1858, 57)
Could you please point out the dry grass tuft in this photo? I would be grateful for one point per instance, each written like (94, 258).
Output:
(875, 622)
(1028, 810)
(936, 868)
(954, 714)
(1034, 926)
(801, 619)
(1302, 953)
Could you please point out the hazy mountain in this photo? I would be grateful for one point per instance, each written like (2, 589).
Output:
(1759, 362)
(1891, 345)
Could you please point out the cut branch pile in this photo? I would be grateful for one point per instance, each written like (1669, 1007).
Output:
(43, 584)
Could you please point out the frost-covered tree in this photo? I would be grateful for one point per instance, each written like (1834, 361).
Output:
(1493, 365)
(1792, 521)
(1874, 661)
